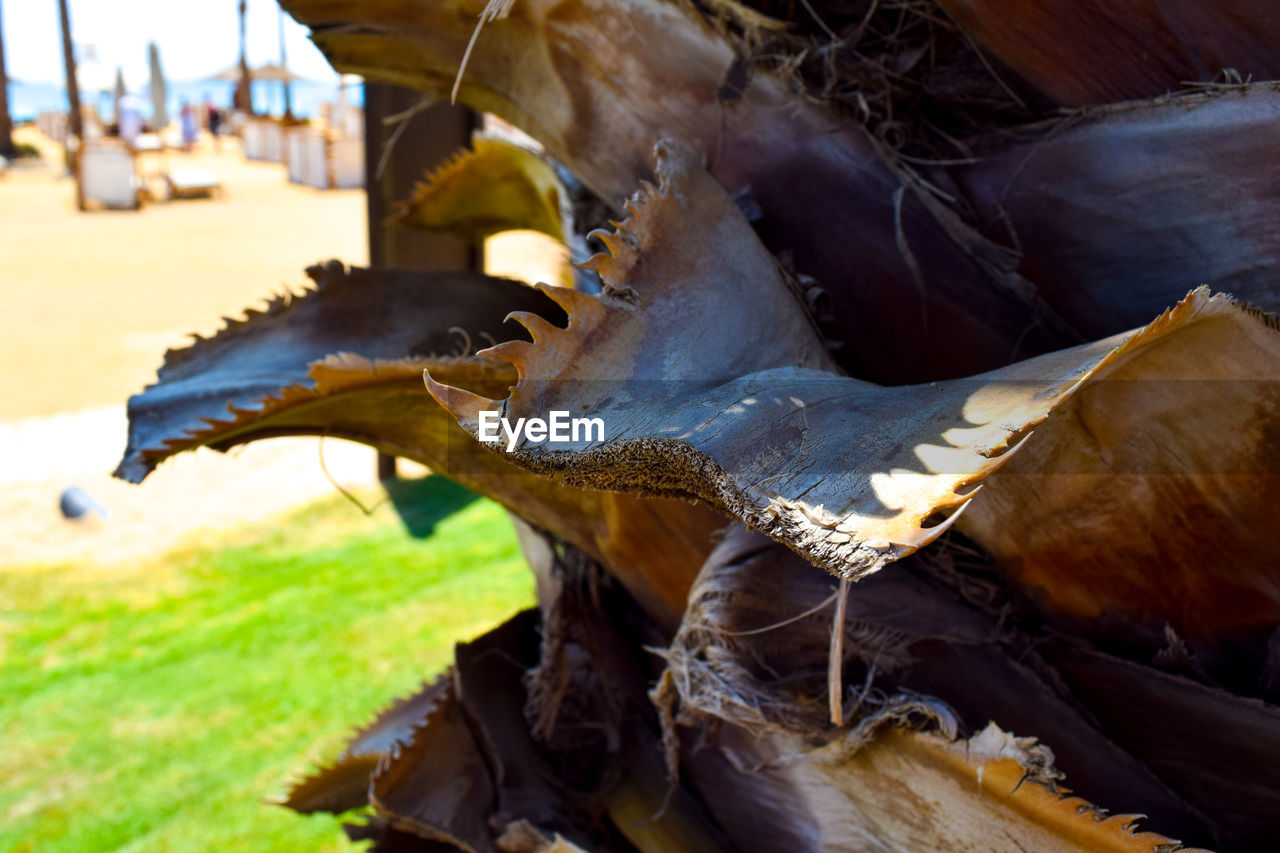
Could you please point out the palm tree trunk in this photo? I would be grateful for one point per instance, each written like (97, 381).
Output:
(284, 66)
(244, 95)
(69, 60)
(865, 276)
(6, 124)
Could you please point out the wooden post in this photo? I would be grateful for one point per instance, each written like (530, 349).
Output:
(428, 138)
(421, 143)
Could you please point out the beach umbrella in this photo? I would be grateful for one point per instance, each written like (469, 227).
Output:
(227, 75)
(92, 74)
(159, 90)
(270, 72)
(278, 73)
(275, 73)
(120, 91)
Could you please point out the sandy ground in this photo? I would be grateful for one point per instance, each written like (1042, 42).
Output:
(91, 301)
(197, 491)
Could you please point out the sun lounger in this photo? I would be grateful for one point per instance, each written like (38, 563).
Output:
(193, 183)
(148, 142)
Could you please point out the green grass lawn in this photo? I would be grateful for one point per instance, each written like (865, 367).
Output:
(152, 707)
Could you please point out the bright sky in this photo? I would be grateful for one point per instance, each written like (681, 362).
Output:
(197, 38)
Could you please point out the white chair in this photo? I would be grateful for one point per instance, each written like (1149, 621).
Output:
(348, 120)
(108, 176)
(347, 157)
(273, 141)
(148, 142)
(318, 161)
(254, 139)
(299, 166)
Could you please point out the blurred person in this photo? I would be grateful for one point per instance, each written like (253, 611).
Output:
(129, 110)
(190, 127)
(213, 119)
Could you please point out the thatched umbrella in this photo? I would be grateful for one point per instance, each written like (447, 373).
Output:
(272, 72)
(269, 72)
(159, 90)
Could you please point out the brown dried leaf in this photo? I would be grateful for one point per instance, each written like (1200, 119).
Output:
(493, 186)
(1148, 499)
(344, 784)
(1218, 751)
(491, 671)
(386, 839)
(1118, 210)
(273, 374)
(923, 791)
(436, 785)
(753, 651)
(600, 82)
(668, 358)
(905, 791)
(523, 837)
(300, 348)
(1093, 53)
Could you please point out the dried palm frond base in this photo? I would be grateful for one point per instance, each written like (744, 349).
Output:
(897, 252)
(542, 737)
(494, 186)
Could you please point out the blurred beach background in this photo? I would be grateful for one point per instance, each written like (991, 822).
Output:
(176, 654)
(197, 41)
(27, 100)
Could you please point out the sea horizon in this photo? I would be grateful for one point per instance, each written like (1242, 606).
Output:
(29, 99)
